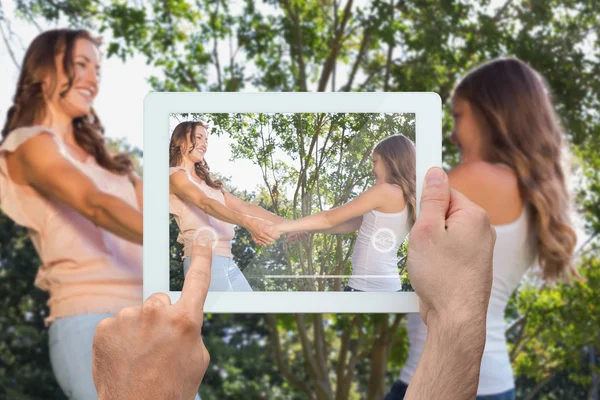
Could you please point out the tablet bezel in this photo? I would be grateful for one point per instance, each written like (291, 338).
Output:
(427, 108)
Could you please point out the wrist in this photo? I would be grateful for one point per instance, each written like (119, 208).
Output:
(246, 221)
(280, 228)
(465, 330)
(451, 358)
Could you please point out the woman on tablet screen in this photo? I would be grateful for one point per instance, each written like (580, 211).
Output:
(383, 216)
(511, 150)
(80, 203)
(202, 207)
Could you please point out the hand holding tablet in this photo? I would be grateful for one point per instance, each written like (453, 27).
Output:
(155, 351)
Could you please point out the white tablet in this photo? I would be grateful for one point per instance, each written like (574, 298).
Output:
(295, 155)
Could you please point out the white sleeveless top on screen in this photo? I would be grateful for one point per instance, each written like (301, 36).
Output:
(374, 259)
(514, 253)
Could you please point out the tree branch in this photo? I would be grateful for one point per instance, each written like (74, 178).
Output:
(335, 48)
(321, 348)
(282, 365)
(300, 53)
(10, 50)
(310, 360)
(388, 64)
(364, 45)
(501, 11)
(215, 44)
(344, 382)
(540, 386)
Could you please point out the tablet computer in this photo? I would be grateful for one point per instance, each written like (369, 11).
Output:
(294, 155)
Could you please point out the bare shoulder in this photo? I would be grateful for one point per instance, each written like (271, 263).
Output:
(178, 180)
(493, 187)
(391, 198)
(40, 147)
(37, 152)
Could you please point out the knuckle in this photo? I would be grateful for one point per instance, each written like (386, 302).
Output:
(127, 313)
(434, 196)
(163, 298)
(152, 306)
(185, 324)
(103, 328)
(422, 231)
(479, 214)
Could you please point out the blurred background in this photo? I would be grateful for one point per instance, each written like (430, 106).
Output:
(325, 45)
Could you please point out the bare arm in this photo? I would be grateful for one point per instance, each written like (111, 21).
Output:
(45, 168)
(181, 185)
(451, 360)
(454, 291)
(352, 225)
(136, 181)
(253, 210)
(188, 190)
(326, 220)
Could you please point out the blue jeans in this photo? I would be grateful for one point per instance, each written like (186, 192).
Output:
(70, 344)
(225, 276)
(398, 391)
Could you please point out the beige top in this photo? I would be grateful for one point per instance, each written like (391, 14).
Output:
(85, 268)
(192, 220)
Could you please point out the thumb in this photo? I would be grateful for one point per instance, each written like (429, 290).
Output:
(435, 200)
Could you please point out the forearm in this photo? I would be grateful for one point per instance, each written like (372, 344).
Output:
(351, 225)
(118, 217)
(313, 223)
(139, 193)
(259, 212)
(217, 210)
(450, 364)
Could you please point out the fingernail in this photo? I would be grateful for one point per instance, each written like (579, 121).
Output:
(434, 176)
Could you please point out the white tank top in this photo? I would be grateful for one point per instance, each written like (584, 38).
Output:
(374, 259)
(514, 253)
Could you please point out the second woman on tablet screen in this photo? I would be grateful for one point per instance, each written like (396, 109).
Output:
(202, 207)
(382, 215)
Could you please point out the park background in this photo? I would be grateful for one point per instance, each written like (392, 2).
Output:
(324, 45)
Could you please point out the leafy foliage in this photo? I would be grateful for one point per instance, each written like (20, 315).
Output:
(395, 45)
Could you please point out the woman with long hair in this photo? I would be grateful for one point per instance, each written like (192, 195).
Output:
(382, 215)
(80, 204)
(511, 164)
(202, 207)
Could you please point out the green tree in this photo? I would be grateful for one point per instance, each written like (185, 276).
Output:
(397, 45)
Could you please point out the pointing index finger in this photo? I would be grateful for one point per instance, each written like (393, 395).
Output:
(197, 280)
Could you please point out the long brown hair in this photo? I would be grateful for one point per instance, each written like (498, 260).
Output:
(398, 155)
(182, 135)
(29, 104)
(512, 106)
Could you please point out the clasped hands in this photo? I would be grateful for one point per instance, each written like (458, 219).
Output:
(265, 232)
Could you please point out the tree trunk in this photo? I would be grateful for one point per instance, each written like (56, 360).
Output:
(379, 356)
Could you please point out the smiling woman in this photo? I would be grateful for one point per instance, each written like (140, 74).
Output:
(80, 203)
